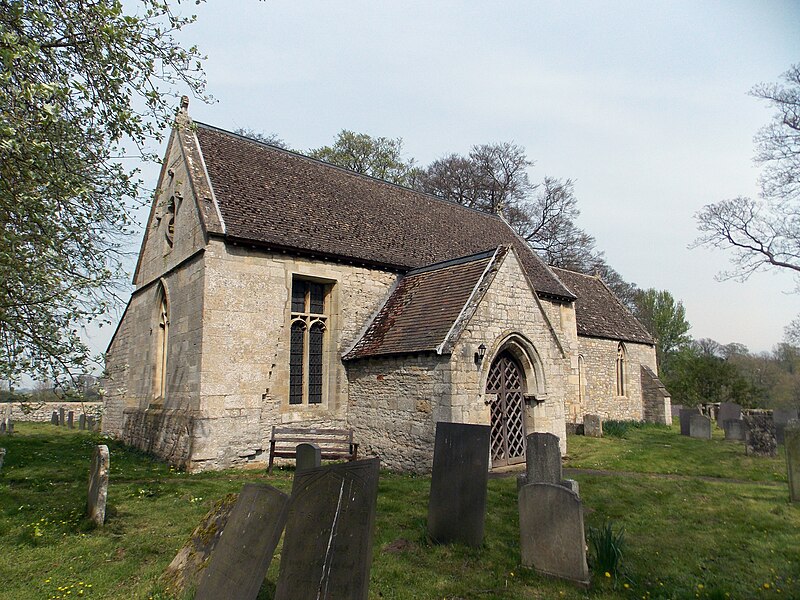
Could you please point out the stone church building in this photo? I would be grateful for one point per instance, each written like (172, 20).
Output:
(274, 289)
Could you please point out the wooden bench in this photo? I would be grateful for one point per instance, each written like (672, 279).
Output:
(334, 444)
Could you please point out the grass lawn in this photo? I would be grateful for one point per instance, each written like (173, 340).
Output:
(701, 520)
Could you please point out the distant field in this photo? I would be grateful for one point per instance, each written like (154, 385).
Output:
(701, 520)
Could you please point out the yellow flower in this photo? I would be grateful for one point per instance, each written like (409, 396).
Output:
(626, 586)
(766, 586)
(608, 574)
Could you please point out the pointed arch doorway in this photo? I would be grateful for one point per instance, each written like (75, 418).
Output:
(506, 380)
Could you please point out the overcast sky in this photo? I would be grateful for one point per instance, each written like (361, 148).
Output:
(644, 104)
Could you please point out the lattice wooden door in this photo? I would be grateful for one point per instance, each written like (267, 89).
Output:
(508, 425)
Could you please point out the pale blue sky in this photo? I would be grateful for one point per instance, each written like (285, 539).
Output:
(644, 104)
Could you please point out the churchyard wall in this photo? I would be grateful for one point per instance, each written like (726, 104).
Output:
(35, 412)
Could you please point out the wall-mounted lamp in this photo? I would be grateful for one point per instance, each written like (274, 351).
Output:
(480, 354)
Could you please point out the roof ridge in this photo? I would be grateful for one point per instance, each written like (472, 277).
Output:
(345, 170)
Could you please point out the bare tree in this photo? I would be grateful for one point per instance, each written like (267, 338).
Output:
(273, 139)
(765, 232)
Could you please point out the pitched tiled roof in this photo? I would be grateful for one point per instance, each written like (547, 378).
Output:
(281, 199)
(422, 309)
(599, 313)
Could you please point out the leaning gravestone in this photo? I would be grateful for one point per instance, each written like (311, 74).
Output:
(98, 485)
(760, 434)
(552, 539)
(792, 443)
(728, 411)
(54, 418)
(308, 456)
(242, 556)
(327, 547)
(734, 430)
(184, 571)
(457, 504)
(700, 427)
(685, 415)
(781, 416)
(592, 426)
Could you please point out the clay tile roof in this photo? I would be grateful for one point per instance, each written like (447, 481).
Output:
(281, 199)
(599, 313)
(422, 308)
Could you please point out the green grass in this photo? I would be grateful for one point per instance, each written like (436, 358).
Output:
(685, 537)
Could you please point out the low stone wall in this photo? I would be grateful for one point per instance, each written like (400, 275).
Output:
(33, 412)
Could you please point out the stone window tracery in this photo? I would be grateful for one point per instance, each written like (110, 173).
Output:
(162, 341)
(309, 322)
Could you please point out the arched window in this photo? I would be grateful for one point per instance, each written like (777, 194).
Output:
(307, 343)
(622, 369)
(581, 379)
(162, 341)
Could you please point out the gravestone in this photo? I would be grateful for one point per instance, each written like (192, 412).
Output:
(190, 562)
(90, 423)
(792, 444)
(2, 457)
(592, 426)
(685, 415)
(734, 430)
(543, 459)
(728, 411)
(10, 426)
(457, 504)
(240, 561)
(782, 416)
(760, 434)
(54, 418)
(552, 539)
(327, 547)
(308, 456)
(62, 417)
(71, 419)
(2, 426)
(700, 427)
(572, 486)
(98, 485)
(82, 422)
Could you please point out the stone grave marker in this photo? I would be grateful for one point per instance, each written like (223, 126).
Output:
(592, 426)
(782, 416)
(54, 418)
(242, 556)
(327, 547)
(734, 430)
(543, 458)
(2, 457)
(61, 417)
(760, 437)
(90, 420)
(184, 571)
(685, 415)
(82, 422)
(552, 539)
(700, 427)
(2, 426)
(10, 427)
(792, 444)
(98, 485)
(457, 504)
(71, 419)
(308, 456)
(728, 411)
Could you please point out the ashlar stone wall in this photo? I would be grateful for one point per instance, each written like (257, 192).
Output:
(598, 395)
(245, 366)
